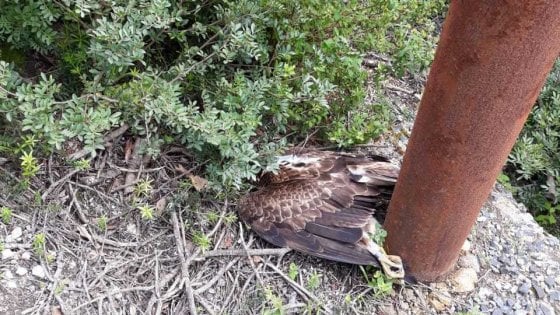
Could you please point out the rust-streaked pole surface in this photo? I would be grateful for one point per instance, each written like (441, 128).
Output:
(491, 63)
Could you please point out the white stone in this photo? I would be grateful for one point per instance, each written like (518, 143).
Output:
(464, 280)
(7, 274)
(11, 284)
(469, 261)
(131, 228)
(38, 271)
(8, 254)
(17, 232)
(26, 256)
(440, 301)
(21, 271)
(466, 246)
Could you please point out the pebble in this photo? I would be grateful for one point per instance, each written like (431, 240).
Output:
(440, 301)
(469, 261)
(38, 271)
(26, 256)
(549, 281)
(464, 280)
(544, 308)
(11, 284)
(21, 271)
(539, 290)
(7, 274)
(466, 246)
(7, 254)
(554, 296)
(524, 289)
(17, 232)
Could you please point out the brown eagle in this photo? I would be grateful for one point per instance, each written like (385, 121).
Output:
(322, 203)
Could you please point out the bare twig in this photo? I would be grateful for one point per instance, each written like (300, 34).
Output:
(246, 252)
(57, 183)
(105, 296)
(217, 277)
(184, 265)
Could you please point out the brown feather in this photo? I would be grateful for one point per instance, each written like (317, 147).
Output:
(316, 204)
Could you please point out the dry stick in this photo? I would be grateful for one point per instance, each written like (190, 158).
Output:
(54, 279)
(246, 252)
(303, 292)
(217, 277)
(184, 266)
(230, 295)
(398, 88)
(105, 296)
(77, 205)
(157, 291)
(129, 170)
(57, 183)
(205, 304)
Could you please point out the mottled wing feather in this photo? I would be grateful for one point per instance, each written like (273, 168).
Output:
(315, 217)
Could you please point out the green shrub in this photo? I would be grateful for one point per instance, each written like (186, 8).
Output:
(536, 155)
(230, 80)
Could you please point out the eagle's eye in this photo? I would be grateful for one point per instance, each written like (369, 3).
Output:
(299, 164)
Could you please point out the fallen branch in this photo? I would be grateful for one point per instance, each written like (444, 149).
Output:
(245, 252)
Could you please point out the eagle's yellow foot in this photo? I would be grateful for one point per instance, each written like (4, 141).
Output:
(392, 265)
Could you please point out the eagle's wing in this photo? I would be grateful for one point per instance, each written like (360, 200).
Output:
(325, 217)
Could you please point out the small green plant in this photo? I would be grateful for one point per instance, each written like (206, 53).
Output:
(201, 240)
(102, 223)
(146, 212)
(379, 235)
(277, 306)
(212, 217)
(293, 271)
(230, 218)
(61, 285)
(6, 215)
(39, 243)
(143, 188)
(379, 282)
(314, 280)
(29, 165)
(504, 180)
(81, 164)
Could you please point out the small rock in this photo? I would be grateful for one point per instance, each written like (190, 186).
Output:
(20, 271)
(38, 271)
(440, 301)
(469, 261)
(387, 310)
(7, 274)
(17, 232)
(539, 290)
(497, 312)
(26, 256)
(466, 246)
(510, 302)
(131, 228)
(524, 288)
(554, 296)
(7, 254)
(549, 281)
(544, 308)
(11, 284)
(464, 280)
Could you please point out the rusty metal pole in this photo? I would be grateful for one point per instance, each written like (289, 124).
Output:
(491, 63)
